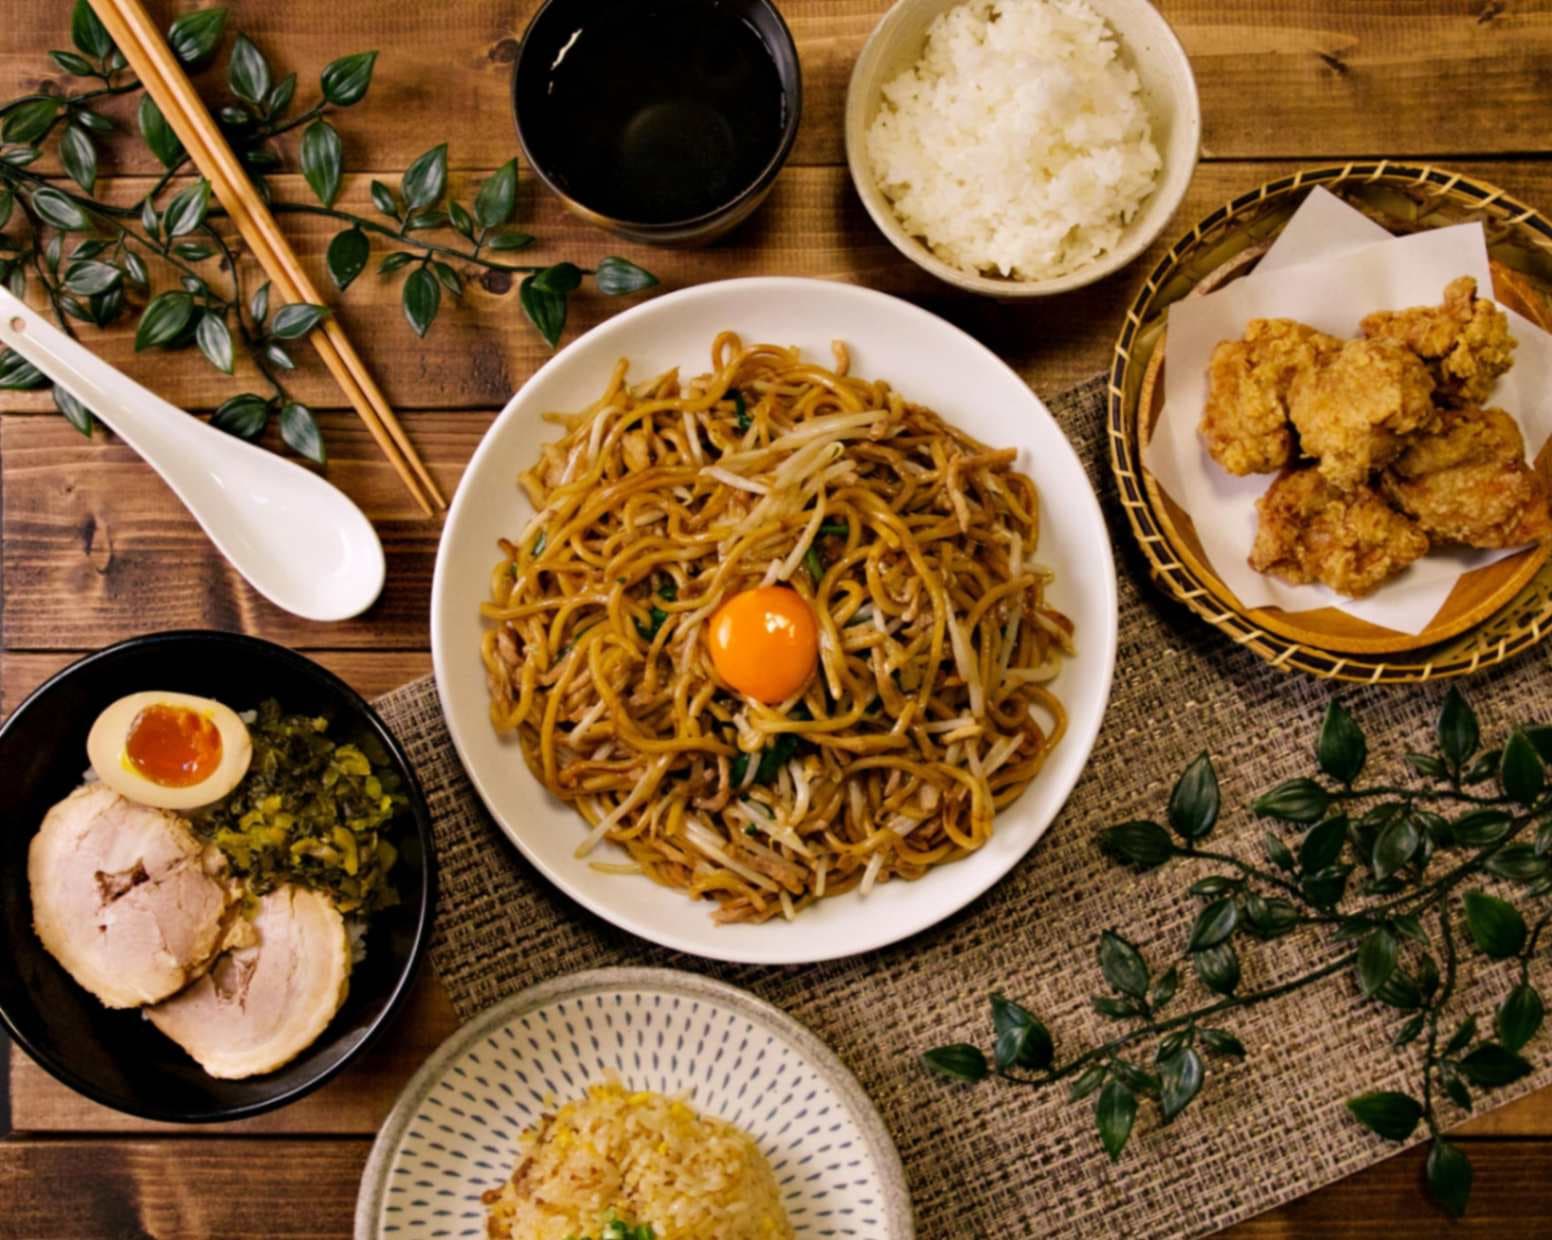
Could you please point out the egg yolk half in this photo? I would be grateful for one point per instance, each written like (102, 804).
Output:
(765, 642)
(173, 746)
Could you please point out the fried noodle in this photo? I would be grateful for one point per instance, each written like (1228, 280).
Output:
(913, 544)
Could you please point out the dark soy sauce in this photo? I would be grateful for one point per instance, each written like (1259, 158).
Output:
(658, 112)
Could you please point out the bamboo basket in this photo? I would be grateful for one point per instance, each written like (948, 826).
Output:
(1498, 616)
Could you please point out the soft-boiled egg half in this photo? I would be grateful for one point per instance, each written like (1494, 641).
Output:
(169, 750)
(765, 642)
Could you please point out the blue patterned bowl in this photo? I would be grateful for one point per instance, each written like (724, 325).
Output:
(454, 1132)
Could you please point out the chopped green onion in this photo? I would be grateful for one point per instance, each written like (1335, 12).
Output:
(538, 544)
(668, 589)
(649, 631)
(811, 562)
(740, 408)
(837, 528)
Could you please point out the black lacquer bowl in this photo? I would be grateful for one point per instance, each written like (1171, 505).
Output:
(117, 1057)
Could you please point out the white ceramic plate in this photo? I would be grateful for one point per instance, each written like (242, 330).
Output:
(930, 362)
(454, 1131)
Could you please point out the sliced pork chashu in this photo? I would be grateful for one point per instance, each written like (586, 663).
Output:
(125, 898)
(260, 1006)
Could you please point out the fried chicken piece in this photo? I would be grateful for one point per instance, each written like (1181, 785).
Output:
(1470, 484)
(1465, 341)
(1245, 420)
(1352, 410)
(1310, 531)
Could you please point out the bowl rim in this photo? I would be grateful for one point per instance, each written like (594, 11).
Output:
(792, 94)
(1188, 103)
(420, 812)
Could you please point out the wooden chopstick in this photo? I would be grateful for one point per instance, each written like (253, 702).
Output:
(164, 80)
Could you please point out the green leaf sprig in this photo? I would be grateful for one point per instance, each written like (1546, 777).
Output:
(1361, 865)
(91, 259)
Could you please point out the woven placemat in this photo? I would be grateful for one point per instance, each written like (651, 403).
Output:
(998, 1160)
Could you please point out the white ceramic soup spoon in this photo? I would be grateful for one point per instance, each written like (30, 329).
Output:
(297, 539)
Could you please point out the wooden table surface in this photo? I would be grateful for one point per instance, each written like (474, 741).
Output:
(93, 547)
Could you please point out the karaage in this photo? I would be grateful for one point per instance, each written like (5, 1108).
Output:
(1245, 421)
(1310, 531)
(1469, 483)
(1353, 409)
(1465, 341)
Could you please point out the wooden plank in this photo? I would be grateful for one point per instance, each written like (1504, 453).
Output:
(814, 225)
(1297, 79)
(295, 1188)
(97, 549)
(354, 1103)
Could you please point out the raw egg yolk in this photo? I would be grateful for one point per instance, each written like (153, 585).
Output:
(765, 642)
(173, 746)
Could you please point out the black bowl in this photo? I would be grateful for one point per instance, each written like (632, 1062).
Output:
(117, 1057)
(552, 134)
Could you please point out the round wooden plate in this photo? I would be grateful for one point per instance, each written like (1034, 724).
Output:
(1476, 596)
(1493, 612)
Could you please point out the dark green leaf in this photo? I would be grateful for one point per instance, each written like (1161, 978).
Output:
(1180, 1077)
(29, 121)
(1143, 844)
(296, 320)
(1117, 1009)
(77, 414)
(244, 416)
(347, 256)
(300, 431)
(1088, 1081)
(1325, 887)
(1461, 1038)
(1456, 1089)
(1457, 730)
(1390, 1114)
(617, 276)
(1269, 918)
(1135, 1078)
(1213, 924)
(1544, 840)
(1408, 926)
(1212, 885)
(1022, 1041)
(1449, 1177)
(1519, 1016)
(561, 278)
(1322, 844)
(87, 32)
(1123, 965)
(461, 220)
(1401, 992)
(1520, 772)
(193, 251)
(280, 96)
(56, 209)
(1294, 800)
(425, 179)
(1519, 863)
(1277, 852)
(195, 36)
(425, 219)
(158, 133)
(1222, 1042)
(382, 199)
(449, 279)
(392, 262)
(1481, 827)
(1409, 1030)
(1496, 925)
(1341, 748)
(510, 241)
(258, 304)
(1491, 1065)
(71, 63)
(236, 117)
(247, 72)
(1427, 765)
(322, 160)
(1396, 846)
(276, 356)
(215, 341)
(1218, 968)
(960, 1062)
(17, 374)
(1427, 975)
(164, 320)
(148, 218)
(187, 210)
(1114, 1114)
(1193, 803)
(1164, 989)
(422, 298)
(1376, 960)
(1484, 768)
(497, 199)
(90, 278)
(345, 80)
(79, 155)
(545, 310)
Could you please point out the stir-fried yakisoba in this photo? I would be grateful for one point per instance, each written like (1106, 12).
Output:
(776, 631)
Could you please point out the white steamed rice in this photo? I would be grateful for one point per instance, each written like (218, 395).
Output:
(1019, 143)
